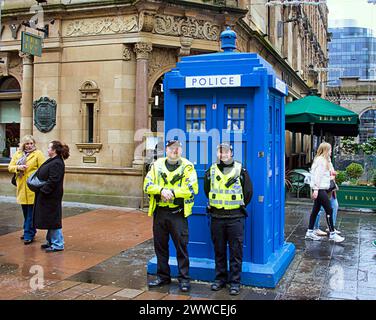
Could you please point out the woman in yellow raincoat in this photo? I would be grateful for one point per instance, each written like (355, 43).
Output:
(24, 162)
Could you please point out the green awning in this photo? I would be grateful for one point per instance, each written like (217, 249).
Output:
(325, 116)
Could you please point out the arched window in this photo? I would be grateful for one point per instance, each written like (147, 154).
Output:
(9, 84)
(10, 94)
(367, 128)
(157, 105)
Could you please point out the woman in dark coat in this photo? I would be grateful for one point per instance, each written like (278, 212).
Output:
(48, 201)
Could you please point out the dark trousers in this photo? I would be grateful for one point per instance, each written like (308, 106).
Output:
(29, 230)
(228, 231)
(167, 224)
(322, 200)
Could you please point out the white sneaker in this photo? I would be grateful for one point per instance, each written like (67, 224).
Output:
(312, 236)
(335, 230)
(336, 238)
(319, 232)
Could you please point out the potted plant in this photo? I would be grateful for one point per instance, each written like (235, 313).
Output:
(353, 193)
(341, 177)
(354, 171)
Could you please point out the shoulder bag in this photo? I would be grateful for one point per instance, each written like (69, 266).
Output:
(14, 179)
(333, 186)
(34, 183)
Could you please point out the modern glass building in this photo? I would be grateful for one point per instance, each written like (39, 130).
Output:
(352, 53)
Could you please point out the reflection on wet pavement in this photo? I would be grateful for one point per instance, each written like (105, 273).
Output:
(107, 251)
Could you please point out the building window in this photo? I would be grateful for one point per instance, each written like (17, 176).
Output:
(235, 118)
(10, 118)
(90, 107)
(90, 122)
(157, 106)
(9, 84)
(89, 112)
(367, 128)
(195, 118)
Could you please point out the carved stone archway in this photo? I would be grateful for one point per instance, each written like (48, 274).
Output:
(162, 61)
(156, 105)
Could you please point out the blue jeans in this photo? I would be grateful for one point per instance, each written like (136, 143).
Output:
(55, 238)
(334, 204)
(29, 230)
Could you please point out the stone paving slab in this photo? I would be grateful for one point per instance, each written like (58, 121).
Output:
(107, 251)
(100, 293)
(128, 293)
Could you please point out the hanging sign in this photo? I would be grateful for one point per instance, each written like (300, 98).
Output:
(31, 44)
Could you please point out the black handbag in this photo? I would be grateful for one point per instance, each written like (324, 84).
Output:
(34, 183)
(14, 180)
(333, 186)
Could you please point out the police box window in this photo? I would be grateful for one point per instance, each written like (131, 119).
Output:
(235, 117)
(195, 117)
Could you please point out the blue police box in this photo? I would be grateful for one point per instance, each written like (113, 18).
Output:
(236, 97)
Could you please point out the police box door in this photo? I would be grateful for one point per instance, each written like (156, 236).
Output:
(208, 117)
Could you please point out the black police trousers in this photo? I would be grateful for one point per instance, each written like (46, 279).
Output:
(165, 224)
(228, 231)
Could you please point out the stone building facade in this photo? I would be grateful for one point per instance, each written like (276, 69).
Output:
(103, 63)
(359, 96)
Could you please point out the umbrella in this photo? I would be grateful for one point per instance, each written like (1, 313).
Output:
(314, 115)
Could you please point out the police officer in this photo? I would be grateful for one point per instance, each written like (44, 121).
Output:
(171, 183)
(229, 189)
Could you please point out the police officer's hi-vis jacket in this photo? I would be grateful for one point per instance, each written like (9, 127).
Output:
(182, 182)
(225, 189)
(229, 189)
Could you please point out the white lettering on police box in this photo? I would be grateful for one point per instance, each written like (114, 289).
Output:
(228, 80)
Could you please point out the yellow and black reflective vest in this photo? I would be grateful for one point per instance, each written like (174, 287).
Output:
(183, 182)
(225, 189)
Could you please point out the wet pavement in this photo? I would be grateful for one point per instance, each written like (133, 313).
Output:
(107, 249)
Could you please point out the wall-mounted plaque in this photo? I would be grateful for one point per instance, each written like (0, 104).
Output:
(89, 159)
(44, 114)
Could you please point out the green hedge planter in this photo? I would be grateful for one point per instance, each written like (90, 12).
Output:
(357, 197)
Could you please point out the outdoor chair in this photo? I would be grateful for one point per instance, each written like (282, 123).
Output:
(297, 182)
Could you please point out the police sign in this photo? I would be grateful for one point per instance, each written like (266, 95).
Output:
(228, 80)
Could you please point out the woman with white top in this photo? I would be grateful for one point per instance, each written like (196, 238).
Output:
(334, 204)
(320, 183)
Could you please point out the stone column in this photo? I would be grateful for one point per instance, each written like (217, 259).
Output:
(142, 51)
(4, 63)
(26, 110)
